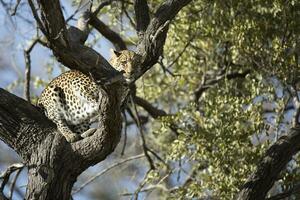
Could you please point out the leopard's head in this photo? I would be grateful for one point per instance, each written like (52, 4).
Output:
(128, 62)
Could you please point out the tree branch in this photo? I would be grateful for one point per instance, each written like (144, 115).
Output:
(154, 112)
(294, 190)
(151, 44)
(13, 184)
(6, 174)
(55, 26)
(112, 36)
(15, 8)
(21, 124)
(273, 162)
(102, 5)
(141, 10)
(70, 51)
(106, 170)
(208, 83)
(27, 56)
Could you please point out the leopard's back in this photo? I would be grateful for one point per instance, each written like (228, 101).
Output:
(72, 96)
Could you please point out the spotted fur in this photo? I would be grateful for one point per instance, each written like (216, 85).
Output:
(71, 99)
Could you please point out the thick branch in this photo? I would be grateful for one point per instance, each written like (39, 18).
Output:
(141, 10)
(206, 84)
(273, 162)
(21, 124)
(69, 51)
(154, 112)
(112, 36)
(87, 60)
(151, 45)
(55, 26)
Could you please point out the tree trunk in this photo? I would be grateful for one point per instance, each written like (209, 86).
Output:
(53, 163)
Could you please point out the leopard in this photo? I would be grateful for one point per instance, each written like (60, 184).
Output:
(71, 100)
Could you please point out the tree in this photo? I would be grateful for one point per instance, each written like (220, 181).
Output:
(219, 59)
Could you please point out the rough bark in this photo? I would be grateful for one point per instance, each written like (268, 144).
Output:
(151, 44)
(269, 168)
(69, 52)
(52, 162)
(141, 10)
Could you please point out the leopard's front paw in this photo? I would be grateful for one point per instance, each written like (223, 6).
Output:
(73, 137)
(89, 132)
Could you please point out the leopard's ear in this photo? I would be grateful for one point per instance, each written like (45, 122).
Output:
(117, 53)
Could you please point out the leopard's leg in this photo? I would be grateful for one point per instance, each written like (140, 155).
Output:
(84, 129)
(80, 128)
(63, 127)
(88, 133)
(55, 113)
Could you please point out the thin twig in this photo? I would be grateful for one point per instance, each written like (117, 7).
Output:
(141, 185)
(150, 188)
(207, 83)
(8, 12)
(129, 18)
(179, 171)
(182, 51)
(144, 145)
(6, 174)
(106, 170)
(37, 18)
(157, 156)
(125, 134)
(28, 68)
(14, 183)
(102, 5)
(164, 68)
(15, 8)
(7, 8)
(155, 112)
(79, 8)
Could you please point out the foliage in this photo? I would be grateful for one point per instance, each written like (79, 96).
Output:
(215, 133)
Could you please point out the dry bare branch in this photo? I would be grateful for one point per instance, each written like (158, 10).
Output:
(7, 173)
(28, 68)
(208, 83)
(93, 178)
